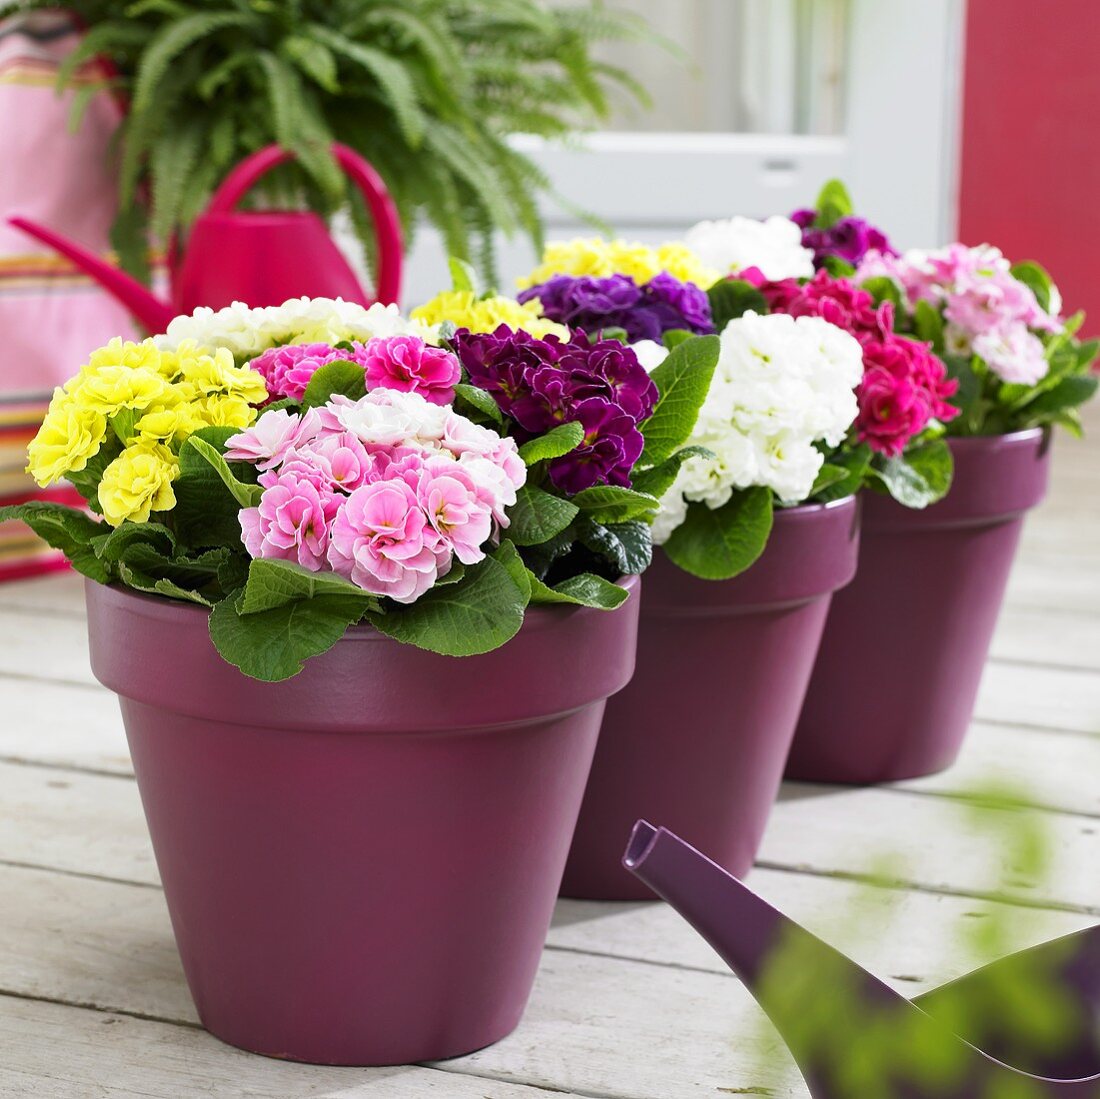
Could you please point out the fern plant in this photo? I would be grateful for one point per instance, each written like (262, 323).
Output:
(427, 90)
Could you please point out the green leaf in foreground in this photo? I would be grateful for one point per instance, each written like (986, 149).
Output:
(245, 495)
(627, 547)
(537, 516)
(469, 397)
(1068, 393)
(717, 544)
(339, 376)
(683, 380)
(465, 619)
(554, 444)
(920, 477)
(65, 529)
(658, 480)
(273, 583)
(843, 474)
(614, 504)
(507, 554)
(585, 590)
(143, 567)
(274, 644)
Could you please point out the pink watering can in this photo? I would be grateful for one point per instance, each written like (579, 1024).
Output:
(261, 258)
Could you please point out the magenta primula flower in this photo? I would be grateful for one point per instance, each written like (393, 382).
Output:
(904, 385)
(289, 369)
(408, 364)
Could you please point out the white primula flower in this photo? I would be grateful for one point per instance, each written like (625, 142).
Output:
(388, 417)
(734, 244)
(782, 383)
(650, 354)
(248, 331)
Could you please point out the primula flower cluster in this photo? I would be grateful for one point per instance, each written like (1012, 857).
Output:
(904, 386)
(386, 491)
(781, 384)
(544, 383)
(150, 400)
(404, 363)
(849, 238)
(595, 257)
(645, 312)
(464, 309)
(247, 331)
(988, 312)
(774, 247)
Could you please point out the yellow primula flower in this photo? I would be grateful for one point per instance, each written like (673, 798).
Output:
(220, 410)
(119, 352)
(109, 389)
(599, 258)
(161, 425)
(138, 482)
(205, 374)
(70, 435)
(465, 310)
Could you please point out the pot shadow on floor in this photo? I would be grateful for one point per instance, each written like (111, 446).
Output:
(568, 912)
(800, 791)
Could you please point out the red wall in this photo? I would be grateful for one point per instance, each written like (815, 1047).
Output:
(1030, 178)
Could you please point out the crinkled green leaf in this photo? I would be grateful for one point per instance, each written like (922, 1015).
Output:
(206, 511)
(718, 543)
(274, 644)
(479, 401)
(614, 504)
(554, 444)
(111, 545)
(66, 529)
(143, 567)
(658, 480)
(537, 516)
(627, 547)
(480, 614)
(853, 464)
(273, 583)
(339, 376)
(246, 495)
(683, 381)
(507, 554)
(919, 477)
(733, 298)
(585, 590)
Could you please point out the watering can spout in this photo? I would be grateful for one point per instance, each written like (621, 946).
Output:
(151, 312)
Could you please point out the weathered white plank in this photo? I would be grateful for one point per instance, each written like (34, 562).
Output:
(62, 725)
(57, 593)
(41, 646)
(1044, 636)
(62, 1052)
(597, 1026)
(1047, 698)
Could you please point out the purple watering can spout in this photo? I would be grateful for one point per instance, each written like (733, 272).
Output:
(259, 257)
(1028, 1025)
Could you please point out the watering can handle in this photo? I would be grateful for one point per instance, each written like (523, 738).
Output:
(383, 213)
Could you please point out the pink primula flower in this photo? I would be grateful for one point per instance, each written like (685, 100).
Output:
(292, 520)
(267, 441)
(455, 509)
(289, 369)
(381, 540)
(409, 365)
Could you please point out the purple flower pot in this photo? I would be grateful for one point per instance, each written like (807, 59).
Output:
(361, 862)
(700, 737)
(894, 688)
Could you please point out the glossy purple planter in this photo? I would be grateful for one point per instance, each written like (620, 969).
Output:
(361, 862)
(700, 737)
(894, 688)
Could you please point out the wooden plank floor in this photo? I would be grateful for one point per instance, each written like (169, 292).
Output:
(629, 1002)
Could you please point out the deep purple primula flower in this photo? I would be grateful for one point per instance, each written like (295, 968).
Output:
(849, 239)
(543, 383)
(617, 301)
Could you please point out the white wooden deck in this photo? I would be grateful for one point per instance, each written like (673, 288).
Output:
(629, 1003)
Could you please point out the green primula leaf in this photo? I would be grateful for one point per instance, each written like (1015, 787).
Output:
(144, 568)
(86, 481)
(627, 547)
(683, 381)
(477, 399)
(206, 511)
(273, 583)
(65, 529)
(585, 590)
(463, 276)
(833, 203)
(1069, 393)
(720, 543)
(882, 288)
(612, 504)
(676, 336)
(920, 476)
(555, 443)
(827, 476)
(733, 298)
(507, 554)
(110, 547)
(537, 516)
(480, 614)
(658, 480)
(246, 495)
(837, 267)
(928, 325)
(852, 465)
(272, 645)
(339, 376)
(1036, 278)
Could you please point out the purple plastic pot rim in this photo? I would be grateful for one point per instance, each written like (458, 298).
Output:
(1010, 438)
(535, 618)
(808, 509)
